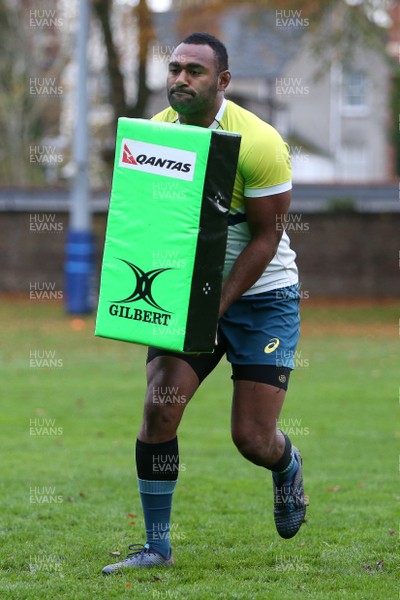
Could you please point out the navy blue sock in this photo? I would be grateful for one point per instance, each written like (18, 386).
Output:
(157, 469)
(285, 469)
(287, 474)
(156, 497)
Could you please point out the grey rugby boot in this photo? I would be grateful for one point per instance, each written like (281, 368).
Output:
(289, 502)
(141, 557)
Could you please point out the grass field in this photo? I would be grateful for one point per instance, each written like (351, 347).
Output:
(69, 494)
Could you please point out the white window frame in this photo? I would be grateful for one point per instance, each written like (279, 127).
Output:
(349, 109)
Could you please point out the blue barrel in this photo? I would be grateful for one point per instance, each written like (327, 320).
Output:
(80, 280)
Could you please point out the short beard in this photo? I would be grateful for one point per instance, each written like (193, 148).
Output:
(202, 104)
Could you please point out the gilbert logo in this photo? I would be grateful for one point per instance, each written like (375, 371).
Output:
(144, 282)
(142, 291)
(159, 160)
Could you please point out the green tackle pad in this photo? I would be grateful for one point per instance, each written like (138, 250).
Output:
(166, 235)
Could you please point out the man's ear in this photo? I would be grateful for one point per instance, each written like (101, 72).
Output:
(224, 79)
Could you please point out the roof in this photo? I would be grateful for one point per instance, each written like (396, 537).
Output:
(258, 47)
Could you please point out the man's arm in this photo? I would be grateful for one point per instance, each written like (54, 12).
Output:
(263, 216)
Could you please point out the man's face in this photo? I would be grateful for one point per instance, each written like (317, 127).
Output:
(192, 81)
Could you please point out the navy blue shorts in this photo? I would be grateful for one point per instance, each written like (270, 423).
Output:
(258, 333)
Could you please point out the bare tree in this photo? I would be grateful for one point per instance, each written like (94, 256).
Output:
(353, 21)
(118, 97)
(30, 94)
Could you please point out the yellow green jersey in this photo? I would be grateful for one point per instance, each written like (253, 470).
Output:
(263, 170)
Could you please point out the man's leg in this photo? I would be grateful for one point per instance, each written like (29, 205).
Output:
(255, 411)
(171, 382)
(261, 333)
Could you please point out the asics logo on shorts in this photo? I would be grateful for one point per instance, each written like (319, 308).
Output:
(272, 345)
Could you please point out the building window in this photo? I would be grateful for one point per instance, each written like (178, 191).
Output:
(354, 93)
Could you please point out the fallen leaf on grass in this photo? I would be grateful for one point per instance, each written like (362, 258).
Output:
(391, 532)
(369, 569)
(333, 488)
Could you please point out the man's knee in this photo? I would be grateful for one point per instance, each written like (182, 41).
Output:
(162, 414)
(257, 447)
(170, 381)
(168, 392)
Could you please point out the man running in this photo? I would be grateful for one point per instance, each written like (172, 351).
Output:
(258, 325)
